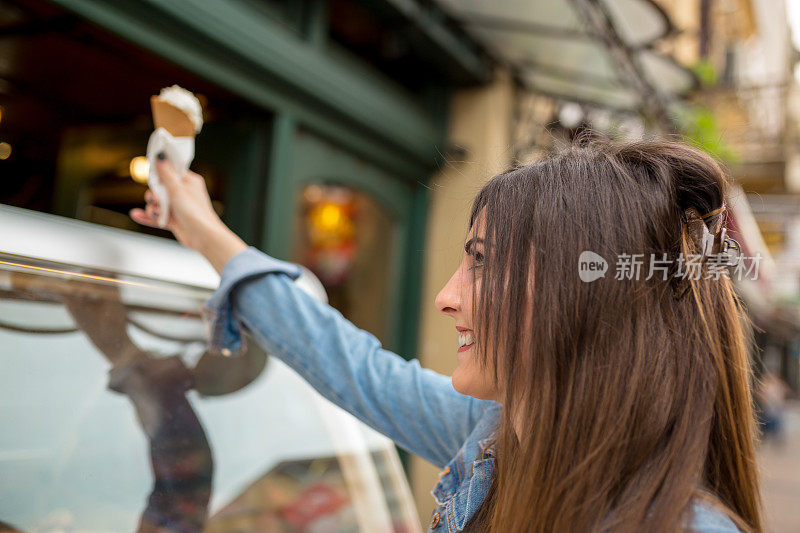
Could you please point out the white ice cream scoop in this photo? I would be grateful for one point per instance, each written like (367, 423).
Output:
(177, 110)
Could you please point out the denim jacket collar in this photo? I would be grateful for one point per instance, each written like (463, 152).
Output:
(464, 482)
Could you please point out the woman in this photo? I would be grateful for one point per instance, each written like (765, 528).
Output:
(618, 404)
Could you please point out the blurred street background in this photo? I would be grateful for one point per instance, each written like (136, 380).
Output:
(780, 467)
(351, 136)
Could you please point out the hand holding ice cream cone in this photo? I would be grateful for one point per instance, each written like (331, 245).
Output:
(177, 117)
(178, 199)
(191, 213)
(192, 218)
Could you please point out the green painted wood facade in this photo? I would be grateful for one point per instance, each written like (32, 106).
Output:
(245, 51)
(359, 127)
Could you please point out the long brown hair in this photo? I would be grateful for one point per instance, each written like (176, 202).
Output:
(632, 401)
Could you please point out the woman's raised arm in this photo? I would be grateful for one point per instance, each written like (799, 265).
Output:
(417, 408)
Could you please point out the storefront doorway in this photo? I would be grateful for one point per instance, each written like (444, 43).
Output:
(350, 228)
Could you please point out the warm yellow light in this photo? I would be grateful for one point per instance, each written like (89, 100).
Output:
(328, 217)
(1, 113)
(329, 223)
(140, 168)
(5, 150)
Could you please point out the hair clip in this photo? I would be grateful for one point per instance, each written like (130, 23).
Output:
(728, 252)
(719, 248)
(731, 248)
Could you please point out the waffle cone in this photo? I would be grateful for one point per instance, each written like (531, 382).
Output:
(172, 119)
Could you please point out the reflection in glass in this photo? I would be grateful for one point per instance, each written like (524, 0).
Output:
(306, 495)
(116, 418)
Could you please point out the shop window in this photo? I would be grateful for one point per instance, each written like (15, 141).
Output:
(75, 113)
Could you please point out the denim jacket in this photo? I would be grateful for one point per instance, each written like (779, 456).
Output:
(415, 407)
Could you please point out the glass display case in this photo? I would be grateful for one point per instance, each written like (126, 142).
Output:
(114, 416)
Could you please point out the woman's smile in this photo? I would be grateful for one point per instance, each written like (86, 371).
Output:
(465, 340)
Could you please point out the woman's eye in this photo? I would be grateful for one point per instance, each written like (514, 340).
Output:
(477, 259)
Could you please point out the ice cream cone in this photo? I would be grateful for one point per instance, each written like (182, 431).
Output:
(171, 118)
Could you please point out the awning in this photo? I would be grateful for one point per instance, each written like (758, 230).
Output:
(597, 52)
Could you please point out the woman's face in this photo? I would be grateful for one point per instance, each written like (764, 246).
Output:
(455, 300)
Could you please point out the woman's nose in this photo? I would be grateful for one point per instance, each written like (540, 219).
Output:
(448, 301)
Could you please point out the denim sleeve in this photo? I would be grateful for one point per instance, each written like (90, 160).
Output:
(708, 519)
(415, 407)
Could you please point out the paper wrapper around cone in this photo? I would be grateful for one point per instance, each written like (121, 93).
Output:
(172, 119)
